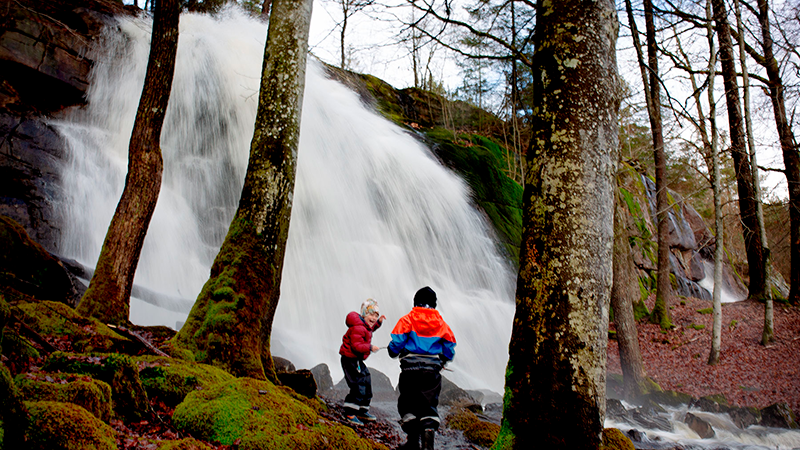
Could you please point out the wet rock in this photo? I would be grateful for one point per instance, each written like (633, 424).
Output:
(322, 375)
(283, 364)
(744, 417)
(699, 426)
(642, 418)
(382, 389)
(778, 415)
(635, 435)
(669, 398)
(716, 403)
(614, 409)
(452, 395)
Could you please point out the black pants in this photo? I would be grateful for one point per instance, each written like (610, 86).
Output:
(419, 400)
(359, 381)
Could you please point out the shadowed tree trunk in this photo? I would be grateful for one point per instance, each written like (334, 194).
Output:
(555, 379)
(791, 158)
(109, 292)
(624, 292)
(231, 322)
(741, 160)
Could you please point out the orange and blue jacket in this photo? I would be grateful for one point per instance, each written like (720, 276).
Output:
(423, 332)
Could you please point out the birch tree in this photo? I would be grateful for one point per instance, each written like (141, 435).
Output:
(231, 322)
(555, 379)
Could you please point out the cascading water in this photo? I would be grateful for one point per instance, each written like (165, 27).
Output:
(374, 214)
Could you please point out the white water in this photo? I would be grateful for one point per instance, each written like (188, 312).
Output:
(374, 214)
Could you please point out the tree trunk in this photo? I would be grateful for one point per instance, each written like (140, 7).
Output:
(741, 161)
(791, 159)
(767, 334)
(660, 313)
(719, 253)
(624, 293)
(555, 379)
(231, 322)
(109, 292)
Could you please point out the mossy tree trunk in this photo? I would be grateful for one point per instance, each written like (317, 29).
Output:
(624, 293)
(741, 161)
(555, 379)
(231, 322)
(109, 292)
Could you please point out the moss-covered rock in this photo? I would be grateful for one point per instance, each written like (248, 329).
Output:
(66, 426)
(475, 430)
(260, 415)
(61, 321)
(183, 444)
(669, 398)
(171, 380)
(13, 414)
(82, 390)
(614, 439)
(119, 371)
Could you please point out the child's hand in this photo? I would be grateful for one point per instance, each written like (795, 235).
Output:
(375, 348)
(381, 319)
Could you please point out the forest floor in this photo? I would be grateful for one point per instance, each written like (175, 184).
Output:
(748, 373)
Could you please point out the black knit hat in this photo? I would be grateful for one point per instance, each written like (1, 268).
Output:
(425, 297)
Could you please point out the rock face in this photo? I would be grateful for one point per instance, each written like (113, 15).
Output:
(44, 68)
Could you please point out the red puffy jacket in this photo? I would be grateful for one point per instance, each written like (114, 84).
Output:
(357, 342)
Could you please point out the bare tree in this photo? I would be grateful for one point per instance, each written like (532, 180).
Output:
(109, 293)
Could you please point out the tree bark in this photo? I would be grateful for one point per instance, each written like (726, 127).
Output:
(660, 313)
(109, 292)
(791, 158)
(555, 377)
(741, 161)
(624, 293)
(231, 322)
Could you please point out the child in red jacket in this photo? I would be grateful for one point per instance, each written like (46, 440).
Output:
(356, 347)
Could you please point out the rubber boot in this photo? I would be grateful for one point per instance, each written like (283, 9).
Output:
(412, 442)
(427, 439)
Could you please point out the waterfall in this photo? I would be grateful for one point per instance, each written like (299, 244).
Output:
(375, 215)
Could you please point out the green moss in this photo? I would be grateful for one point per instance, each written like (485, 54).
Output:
(614, 439)
(93, 395)
(475, 430)
(696, 326)
(260, 415)
(706, 310)
(183, 444)
(66, 426)
(59, 320)
(482, 164)
(119, 371)
(171, 380)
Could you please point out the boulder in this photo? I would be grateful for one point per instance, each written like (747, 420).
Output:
(301, 381)
(744, 417)
(716, 403)
(699, 426)
(778, 415)
(283, 364)
(452, 395)
(66, 426)
(28, 270)
(93, 395)
(322, 375)
(119, 371)
(170, 380)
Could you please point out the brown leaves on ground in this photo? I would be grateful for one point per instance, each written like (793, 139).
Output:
(748, 373)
